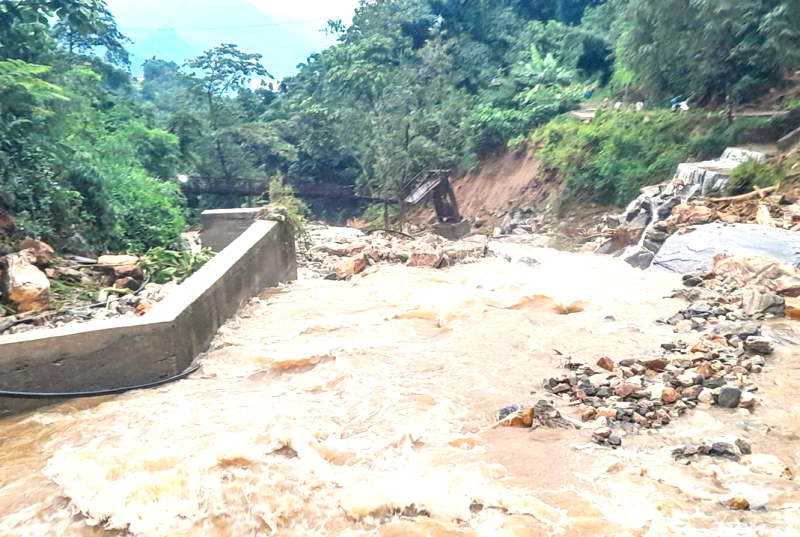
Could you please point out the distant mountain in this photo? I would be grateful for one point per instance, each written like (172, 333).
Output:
(164, 44)
(199, 25)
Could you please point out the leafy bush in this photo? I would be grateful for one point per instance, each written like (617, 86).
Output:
(293, 210)
(754, 174)
(610, 159)
(162, 266)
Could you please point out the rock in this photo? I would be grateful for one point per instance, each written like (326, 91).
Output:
(561, 388)
(695, 251)
(507, 411)
(691, 215)
(25, 285)
(122, 266)
(529, 261)
(507, 226)
(606, 363)
(700, 309)
(641, 258)
(334, 248)
(425, 255)
(791, 197)
(77, 245)
(625, 389)
(498, 255)
(748, 401)
(706, 396)
(42, 253)
(371, 270)
(689, 379)
(568, 308)
(705, 371)
(792, 310)
(739, 329)
(729, 397)
(669, 395)
(738, 504)
(760, 273)
(760, 345)
(754, 303)
(143, 307)
(603, 432)
(469, 248)
(350, 267)
(692, 394)
(614, 440)
(656, 364)
(127, 283)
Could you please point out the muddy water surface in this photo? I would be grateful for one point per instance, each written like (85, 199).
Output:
(366, 408)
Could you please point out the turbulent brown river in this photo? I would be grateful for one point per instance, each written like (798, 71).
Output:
(367, 408)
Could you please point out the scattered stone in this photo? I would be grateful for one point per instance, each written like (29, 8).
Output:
(748, 401)
(706, 396)
(529, 261)
(656, 364)
(669, 395)
(760, 345)
(606, 363)
(350, 267)
(729, 397)
(42, 253)
(738, 504)
(754, 303)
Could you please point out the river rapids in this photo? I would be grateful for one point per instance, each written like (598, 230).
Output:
(368, 408)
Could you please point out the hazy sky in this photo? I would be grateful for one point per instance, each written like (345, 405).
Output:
(308, 9)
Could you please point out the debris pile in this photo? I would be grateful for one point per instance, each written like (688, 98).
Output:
(44, 291)
(738, 289)
(648, 393)
(542, 414)
(347, 254)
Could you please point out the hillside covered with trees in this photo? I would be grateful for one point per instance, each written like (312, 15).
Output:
(89, 153)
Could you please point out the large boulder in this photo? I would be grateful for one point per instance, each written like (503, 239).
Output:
(120, 266)
(41, 252)
(758, 272)
(695, 251)
(470, 248)
(25, 285)
(425, 255)
(351, 267)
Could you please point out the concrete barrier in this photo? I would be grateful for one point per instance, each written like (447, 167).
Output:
(223, 226)
(107, 355)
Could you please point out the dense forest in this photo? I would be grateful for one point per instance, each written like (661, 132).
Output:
(91, 156)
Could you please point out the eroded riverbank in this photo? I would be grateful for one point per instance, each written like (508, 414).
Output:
(366, 408)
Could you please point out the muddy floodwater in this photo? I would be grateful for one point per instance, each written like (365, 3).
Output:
(367, 408)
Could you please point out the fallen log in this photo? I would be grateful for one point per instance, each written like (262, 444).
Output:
(758, 193)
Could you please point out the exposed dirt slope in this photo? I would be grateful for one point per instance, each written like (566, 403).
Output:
(500, 185)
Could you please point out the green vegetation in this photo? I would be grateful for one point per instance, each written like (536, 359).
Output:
(411, 85)
(282, 200)
(754, 174)
(614, 156)
(162, 266)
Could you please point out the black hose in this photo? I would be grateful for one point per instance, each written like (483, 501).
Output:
(102, 393)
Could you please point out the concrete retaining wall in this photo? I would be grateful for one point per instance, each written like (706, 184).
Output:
(222, 227)
(107, 355)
